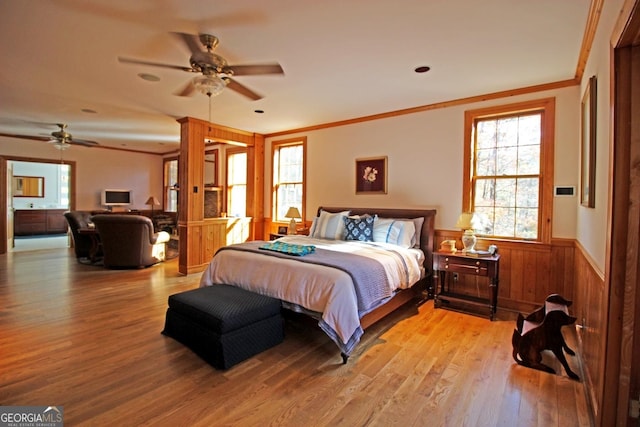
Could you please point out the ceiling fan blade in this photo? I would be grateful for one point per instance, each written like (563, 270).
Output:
(192, 41)
(188, 89)
(154, 64)
(84, 142)
(242, 90)
(35, 138)
(252, 70)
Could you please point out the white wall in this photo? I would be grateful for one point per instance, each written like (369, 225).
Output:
(97, 169)
(425, 152)
(592, 230)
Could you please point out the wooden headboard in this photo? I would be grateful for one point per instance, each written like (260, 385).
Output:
(426, 234)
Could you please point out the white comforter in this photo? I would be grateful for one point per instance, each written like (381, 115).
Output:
(317, 288)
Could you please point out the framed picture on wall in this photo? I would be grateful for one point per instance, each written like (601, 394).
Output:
(588, 145)
(371, 175)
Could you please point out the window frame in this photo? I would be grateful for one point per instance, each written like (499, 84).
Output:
(275, 147)
(546, 107)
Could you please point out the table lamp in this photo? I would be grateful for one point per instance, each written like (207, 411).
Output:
(292, 213)
(153, 202)
(468, 221)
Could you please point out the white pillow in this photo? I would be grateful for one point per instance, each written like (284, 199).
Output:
(399, 232)
(417, 222)
(329, 225)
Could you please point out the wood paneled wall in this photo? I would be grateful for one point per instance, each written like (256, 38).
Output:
(529, 271)
(210, 235)
(590, 307)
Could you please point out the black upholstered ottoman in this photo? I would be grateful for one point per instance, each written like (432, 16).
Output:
(224, 325)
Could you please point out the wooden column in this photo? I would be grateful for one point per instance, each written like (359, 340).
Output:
(200, 237)
(191, 197)
(255, 185)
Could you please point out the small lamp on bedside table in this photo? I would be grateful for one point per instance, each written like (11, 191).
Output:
(468, 221)
(292, 213)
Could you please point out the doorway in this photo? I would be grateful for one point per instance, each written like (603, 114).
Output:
(56, 184)
(622, 373)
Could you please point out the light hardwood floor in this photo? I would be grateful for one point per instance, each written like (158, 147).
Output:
(88, 339)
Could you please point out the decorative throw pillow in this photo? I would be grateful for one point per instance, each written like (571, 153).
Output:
(359, 228)
(399, 232)
(329, 225)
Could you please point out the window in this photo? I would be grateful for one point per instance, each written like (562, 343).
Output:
(65, 181)
(171, 185)
(237, 183)
(509, 169)
(288, 177)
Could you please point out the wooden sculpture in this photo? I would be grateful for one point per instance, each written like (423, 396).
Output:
(541, 330)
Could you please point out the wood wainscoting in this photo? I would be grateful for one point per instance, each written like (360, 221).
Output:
(204, 238)
(590, 307)
(529, 271)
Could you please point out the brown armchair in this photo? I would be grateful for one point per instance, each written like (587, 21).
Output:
(128, 241)
(83, 244)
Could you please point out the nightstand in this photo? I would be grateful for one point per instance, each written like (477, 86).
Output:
(446, 263)
(274, 236)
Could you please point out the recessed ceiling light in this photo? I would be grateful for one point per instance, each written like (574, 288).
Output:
(149, 77)
(422, 69)
(258, 111)
(89, 111)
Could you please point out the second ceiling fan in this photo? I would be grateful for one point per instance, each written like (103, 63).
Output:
(216, 72)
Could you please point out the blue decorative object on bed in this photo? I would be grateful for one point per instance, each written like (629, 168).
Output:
(289, 248)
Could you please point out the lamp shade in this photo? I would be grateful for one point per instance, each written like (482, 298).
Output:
(152, 201)
(293, 212)
(471, 221)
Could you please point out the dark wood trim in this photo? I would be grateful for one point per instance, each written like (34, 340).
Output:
(621, 374)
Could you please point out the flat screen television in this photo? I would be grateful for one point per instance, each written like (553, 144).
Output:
(116, 197)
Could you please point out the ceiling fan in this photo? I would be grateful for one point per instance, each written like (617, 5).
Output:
(61, 139)
(216, 72)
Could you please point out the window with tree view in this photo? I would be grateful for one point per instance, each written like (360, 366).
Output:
(288, 177)
(236, 183)
(506, 173)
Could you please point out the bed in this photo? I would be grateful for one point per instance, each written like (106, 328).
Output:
(344, 283)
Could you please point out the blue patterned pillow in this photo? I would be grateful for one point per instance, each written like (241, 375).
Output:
(359, 228)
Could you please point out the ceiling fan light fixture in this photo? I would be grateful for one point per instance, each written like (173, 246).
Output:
(210, 85)
(62, 146)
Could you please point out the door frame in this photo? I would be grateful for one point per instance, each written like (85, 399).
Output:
(4, 194)
(621, 374)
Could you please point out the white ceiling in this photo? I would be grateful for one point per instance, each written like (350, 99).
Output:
(342, 60)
